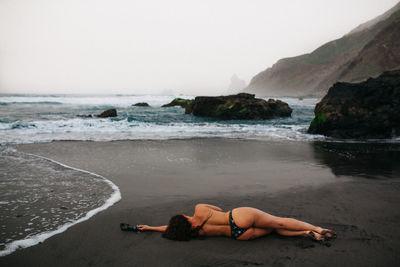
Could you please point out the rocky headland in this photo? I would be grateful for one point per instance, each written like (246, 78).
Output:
(366, 51)
(369, 109)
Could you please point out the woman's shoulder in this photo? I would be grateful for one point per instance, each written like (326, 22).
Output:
(201, 206)
(205, 211)
(201, 211)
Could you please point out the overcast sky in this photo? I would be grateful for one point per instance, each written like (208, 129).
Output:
(151, 47)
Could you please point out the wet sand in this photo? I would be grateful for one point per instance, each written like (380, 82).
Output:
(351, 188)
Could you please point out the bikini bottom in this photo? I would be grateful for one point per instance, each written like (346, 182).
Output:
(236, 231)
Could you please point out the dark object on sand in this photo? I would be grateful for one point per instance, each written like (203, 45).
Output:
(370, 109)
(141, 104)
(238, 107)
(108, 113)
(304, 244)
(184, 103)
(127, 227)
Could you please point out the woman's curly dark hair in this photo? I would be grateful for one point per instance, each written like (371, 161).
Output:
(179, 228)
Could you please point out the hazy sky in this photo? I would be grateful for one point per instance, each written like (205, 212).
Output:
(147, 47)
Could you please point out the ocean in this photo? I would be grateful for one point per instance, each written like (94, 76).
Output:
(45, 118)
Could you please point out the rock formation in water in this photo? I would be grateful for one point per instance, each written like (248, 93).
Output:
(367, 51)
(108, 113)
(369, 109)
(237, 85)
(141, 104)
(238, 107)
(178, 102)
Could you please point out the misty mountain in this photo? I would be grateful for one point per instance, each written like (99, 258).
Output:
(236, 85)
(366, 51)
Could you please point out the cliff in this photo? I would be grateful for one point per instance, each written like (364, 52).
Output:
(366, 51)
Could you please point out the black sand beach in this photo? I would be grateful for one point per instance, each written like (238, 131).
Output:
(351, 188)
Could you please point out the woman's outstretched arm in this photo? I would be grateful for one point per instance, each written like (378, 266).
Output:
(144, 227)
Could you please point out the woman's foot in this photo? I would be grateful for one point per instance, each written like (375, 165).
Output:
(316, 236)
(328, 233)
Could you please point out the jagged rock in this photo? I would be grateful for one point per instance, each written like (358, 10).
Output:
(369, 109)
(108, 113)
(141, 104)
(238, 107)
(178, 102)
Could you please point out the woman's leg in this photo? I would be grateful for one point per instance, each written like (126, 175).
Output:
(253, 233)
(285, 232)
(312, 234)
(251, 217)
(285, 223)
(263, 219)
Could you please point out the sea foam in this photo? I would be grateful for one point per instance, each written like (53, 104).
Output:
(44, 221)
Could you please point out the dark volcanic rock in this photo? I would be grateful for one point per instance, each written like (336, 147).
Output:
(85, 116)
(238, 107)
(370, 109)
(178, 102)
(108, 113)
(141, 104)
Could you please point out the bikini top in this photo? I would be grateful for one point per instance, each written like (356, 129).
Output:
(198, 228)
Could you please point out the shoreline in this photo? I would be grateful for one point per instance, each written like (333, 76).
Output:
(41, 237)
(316, 139)
(160, 178)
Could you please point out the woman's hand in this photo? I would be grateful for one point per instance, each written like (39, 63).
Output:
(143, 227)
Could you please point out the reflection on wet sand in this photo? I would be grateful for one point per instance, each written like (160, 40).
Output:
(368, 160)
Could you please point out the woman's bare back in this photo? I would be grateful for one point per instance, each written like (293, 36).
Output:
(216, 221)
(211, 215)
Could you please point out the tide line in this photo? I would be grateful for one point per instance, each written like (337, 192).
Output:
(36, 239)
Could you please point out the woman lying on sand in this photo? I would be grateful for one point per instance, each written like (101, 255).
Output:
(241, 223)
